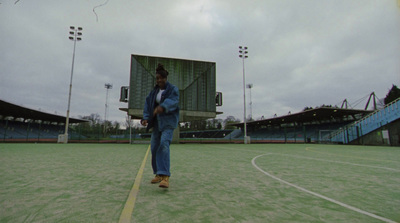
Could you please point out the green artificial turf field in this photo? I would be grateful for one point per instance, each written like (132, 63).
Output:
(209, 183)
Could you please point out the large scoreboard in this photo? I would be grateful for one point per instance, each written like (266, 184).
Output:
(196, 81)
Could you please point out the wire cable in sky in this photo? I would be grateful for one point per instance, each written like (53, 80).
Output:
(16, 2)
(94, 11)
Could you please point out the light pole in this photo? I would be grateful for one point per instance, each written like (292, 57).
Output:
(250, 86)
(242, 54)
(108, 87)
(75, 34)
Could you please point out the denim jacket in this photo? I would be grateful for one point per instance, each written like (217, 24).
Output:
(169, 101)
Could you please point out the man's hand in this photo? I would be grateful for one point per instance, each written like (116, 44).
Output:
(158, 110)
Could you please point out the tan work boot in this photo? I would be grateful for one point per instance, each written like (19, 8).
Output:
(164, 182)
(156, 179)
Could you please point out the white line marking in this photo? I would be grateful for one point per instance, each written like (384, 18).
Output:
(333, 161)
(319, 195)
(311, 149)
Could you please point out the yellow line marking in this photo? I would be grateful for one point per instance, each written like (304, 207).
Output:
(126, 214)
(312, 150)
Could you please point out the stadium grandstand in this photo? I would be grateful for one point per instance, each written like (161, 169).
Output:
(324, 124)
(307, 126)
(327, 124)
(21, 124)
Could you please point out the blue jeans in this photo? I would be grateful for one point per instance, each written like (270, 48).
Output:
(160, 155)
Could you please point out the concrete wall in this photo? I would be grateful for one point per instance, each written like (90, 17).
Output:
(377, 137)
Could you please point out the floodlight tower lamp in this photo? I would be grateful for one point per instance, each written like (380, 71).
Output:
(243, 54)
(73, 37)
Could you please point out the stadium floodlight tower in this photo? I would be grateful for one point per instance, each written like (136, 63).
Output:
(75, 35)
(243, 54)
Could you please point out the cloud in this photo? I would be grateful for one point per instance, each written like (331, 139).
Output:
(301, 54)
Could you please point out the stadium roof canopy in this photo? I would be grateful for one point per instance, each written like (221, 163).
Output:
(311, 116)
(15, 111)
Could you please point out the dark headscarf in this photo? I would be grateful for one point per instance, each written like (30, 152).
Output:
(161, 71)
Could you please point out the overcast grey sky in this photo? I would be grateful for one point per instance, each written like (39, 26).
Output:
(301, 52)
